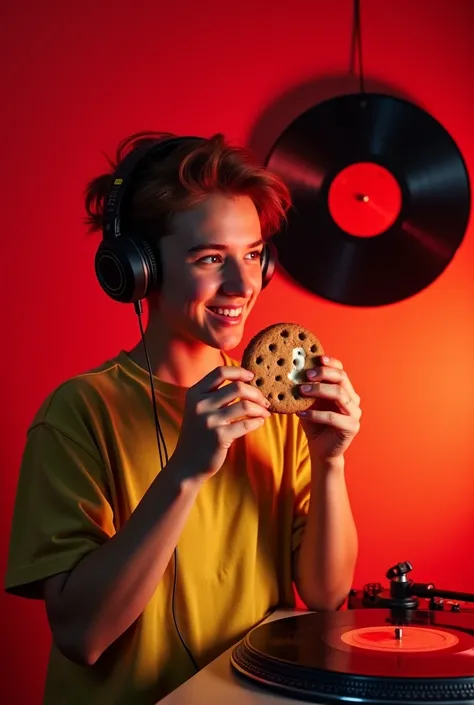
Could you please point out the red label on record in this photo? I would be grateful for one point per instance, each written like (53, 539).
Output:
(364, 199)
(412, 639)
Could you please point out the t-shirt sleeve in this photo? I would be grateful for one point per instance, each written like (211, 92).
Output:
(302, 480)
(62, 509)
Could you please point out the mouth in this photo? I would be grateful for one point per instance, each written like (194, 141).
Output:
(226, 316)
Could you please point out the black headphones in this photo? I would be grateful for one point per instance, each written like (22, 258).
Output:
(128, 267)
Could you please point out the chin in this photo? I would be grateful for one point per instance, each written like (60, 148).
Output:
(230, 344)
(227, 341)
(224, 339)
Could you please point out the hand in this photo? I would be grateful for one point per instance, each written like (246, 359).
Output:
(334, 419)
(213, 419)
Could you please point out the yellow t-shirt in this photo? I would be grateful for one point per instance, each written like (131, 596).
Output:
(90, 456)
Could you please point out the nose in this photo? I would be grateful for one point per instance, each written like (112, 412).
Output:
(238, 280)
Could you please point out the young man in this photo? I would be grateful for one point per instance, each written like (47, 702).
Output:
(252, 501)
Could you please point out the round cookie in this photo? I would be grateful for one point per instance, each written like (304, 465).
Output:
(279, 356)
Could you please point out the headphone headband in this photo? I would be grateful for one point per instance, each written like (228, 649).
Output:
(123, 176)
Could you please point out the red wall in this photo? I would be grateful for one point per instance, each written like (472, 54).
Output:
(81, 76)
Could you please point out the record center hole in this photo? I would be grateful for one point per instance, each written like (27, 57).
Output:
(281, 362)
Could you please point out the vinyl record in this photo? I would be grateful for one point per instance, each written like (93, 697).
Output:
(381, 199)
(363, 656)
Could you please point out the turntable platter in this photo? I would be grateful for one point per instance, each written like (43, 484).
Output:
(363, 656)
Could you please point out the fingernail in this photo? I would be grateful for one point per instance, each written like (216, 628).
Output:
(267, 403)
(306, 387)
(312, 374)
(302, 413)
(248, 374)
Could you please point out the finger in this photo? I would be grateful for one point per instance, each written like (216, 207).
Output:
(347, 385)
(331, 418)
(337, 376)
(228, 394)
(235, 430)
(218, 376)
(332, 362)
(334, 392)
(330, 374)
(238, 410)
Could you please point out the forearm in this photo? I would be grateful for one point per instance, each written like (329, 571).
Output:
(326, 560)
(110, 587)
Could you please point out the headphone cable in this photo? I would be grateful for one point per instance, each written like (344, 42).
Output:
(161, 441)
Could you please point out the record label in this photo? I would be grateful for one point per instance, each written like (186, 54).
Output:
(364, 199)
(412, 639)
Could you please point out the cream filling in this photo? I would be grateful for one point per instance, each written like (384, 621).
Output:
(296, 374)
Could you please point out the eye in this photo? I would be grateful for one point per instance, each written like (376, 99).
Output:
(257, 254)
(209, 259)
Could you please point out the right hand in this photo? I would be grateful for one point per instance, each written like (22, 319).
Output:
(213, 419)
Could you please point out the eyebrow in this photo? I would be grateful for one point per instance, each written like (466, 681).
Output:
(216, 246)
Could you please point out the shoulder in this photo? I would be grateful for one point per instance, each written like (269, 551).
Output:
(79, 396)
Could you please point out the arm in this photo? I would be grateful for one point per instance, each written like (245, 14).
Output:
(325, 562)
(95, 603)
(91, 606)
(324, 566)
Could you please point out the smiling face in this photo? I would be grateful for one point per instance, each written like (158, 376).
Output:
(212, 271)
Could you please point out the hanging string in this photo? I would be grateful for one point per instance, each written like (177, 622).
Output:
(357, 46)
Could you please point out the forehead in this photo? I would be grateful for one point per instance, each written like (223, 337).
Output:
(228, 220)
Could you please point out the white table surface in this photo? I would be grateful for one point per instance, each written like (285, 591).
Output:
(218, 684)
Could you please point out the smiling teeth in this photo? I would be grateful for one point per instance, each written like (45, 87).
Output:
(232, 312)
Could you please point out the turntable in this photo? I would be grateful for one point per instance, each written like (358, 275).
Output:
(411, 643)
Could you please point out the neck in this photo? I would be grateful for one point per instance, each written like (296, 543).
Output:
(173, 359)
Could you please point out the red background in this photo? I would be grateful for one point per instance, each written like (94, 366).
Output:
(80, 77)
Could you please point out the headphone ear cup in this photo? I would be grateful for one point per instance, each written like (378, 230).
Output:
(269, 262)
(127, 269)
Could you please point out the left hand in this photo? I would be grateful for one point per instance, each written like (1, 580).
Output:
(334, 419)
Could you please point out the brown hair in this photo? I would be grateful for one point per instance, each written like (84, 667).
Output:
(184, 178)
